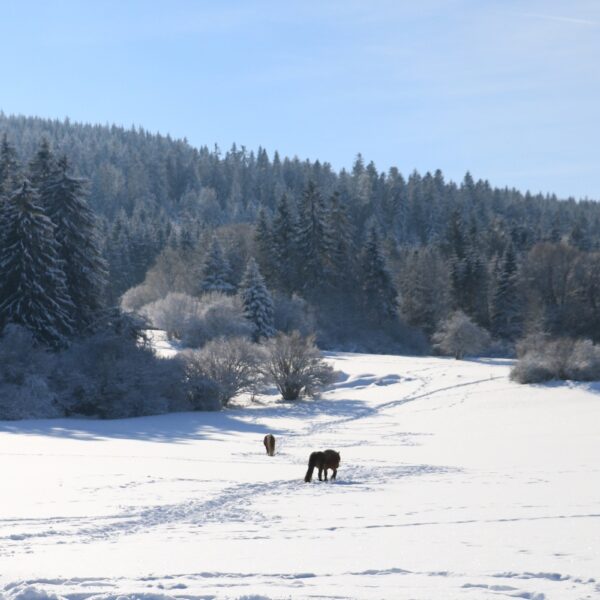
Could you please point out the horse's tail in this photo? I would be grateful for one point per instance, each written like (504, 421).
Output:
(312, 463)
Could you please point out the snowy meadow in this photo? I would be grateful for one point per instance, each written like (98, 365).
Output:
(454, 483)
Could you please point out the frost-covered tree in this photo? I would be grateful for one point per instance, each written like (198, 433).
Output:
(380, 294)
(257, 302)
(33, 290)
(216, 272)
(84, 266)
(459, 336)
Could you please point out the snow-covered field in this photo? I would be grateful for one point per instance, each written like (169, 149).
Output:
(454, 483)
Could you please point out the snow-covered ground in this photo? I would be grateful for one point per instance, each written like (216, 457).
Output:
(454, 483)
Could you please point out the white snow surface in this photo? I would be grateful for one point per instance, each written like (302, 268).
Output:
(454, 483)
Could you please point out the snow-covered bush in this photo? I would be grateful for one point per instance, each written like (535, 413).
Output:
(220, 316)
(542, 359)
(295, 365)
(115, 374)
(221, 370)
(176, 313)
(459, 336)
(25, 370)
(196, 321)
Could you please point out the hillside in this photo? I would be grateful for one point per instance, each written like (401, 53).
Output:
(454, 483)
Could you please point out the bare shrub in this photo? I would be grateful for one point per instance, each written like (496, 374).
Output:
(221, 370)
(295, 365)
(459, 336)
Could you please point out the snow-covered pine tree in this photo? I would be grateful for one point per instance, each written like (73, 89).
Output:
(341, 249)
(283, 240)
(264, 246)
(33, 290)
(9, 167)
(380, 294)
(313, 241)
(41, 169)
(257, 302)
(85, 268)
(216, 273)
(506, 303)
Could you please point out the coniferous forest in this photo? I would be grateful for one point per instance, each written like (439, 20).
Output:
(97, 220)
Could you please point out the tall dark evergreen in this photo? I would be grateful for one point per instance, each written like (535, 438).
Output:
(42, 167)
(9, 167)
(283, 246)
(33, 289)
(380, 294)
(313, 242)
(257, 302)
(79, 247)
(506, 303)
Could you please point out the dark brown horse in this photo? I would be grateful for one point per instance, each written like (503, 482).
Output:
(269, 443)
(328, 459)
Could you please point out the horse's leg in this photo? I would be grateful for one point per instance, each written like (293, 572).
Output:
(325, 473)
(334, 474)
(320, 473)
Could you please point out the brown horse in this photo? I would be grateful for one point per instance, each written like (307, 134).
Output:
(328, 459)
(269, 443)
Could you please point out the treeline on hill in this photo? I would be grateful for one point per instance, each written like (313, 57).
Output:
(371, 261)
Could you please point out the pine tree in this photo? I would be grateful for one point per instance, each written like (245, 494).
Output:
(341, 249)
(257, 302)
(42, 168)
(505, 309)
(283, 245)
(33, 290)
(380, 295)
(85, 268)
(9, 167)
(264, 246)
(216, 273)
(313, 241)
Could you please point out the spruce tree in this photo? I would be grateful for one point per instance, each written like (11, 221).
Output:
(379, 292)
(85, 268)
(257, 302)
(216, 273)
(505, 305)
(41, 168)
(283, 246)
(9, 167)
(33, 290)
(313, 242)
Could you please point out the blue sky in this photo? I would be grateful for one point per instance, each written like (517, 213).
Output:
(509, 90)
